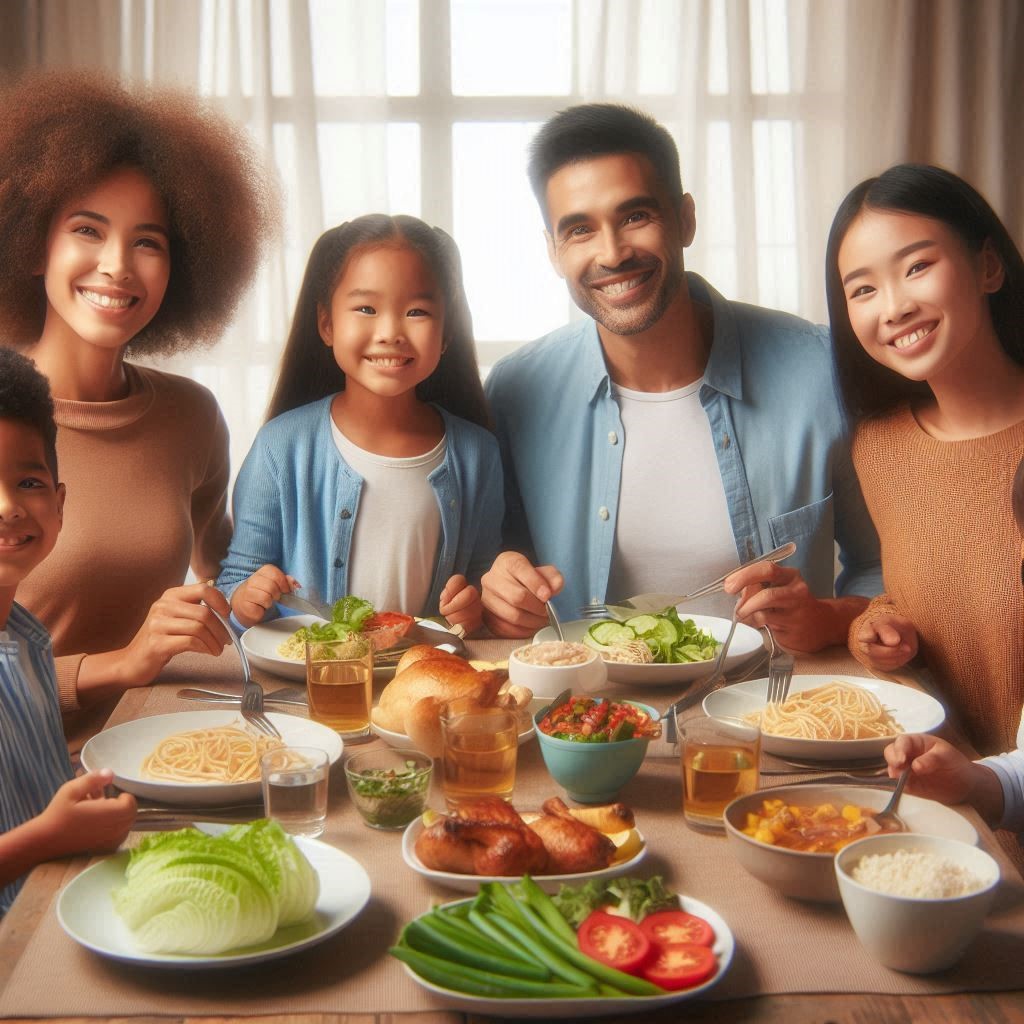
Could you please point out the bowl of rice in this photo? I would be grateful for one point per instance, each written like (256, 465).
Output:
(916, 902)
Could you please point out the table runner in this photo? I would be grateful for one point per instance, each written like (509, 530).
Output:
(782, 946)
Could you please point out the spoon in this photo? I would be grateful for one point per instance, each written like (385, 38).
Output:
(888, 818)
(556, 625)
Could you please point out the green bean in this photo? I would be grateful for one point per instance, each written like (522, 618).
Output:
(537, 898)
(422, 935)
(511, 947)
(481, 983)
(559, 965)
(457, 927)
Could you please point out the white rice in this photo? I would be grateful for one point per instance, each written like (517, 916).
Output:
(916, 875)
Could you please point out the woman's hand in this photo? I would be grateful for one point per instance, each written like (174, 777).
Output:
(514, 592)
(780, 599)
(253, 598)
(885, 643)
(460, 604)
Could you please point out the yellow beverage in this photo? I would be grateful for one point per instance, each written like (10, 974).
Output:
(713, 776)
(339, 682)
(480, 748)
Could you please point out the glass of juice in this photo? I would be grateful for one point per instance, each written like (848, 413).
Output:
(295, 789)
(339, 681)
(480, 746)
(720, 761)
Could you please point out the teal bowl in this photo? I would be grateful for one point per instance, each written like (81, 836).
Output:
(593, 773)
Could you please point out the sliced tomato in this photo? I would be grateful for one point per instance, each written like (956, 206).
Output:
(671, 926)
(615, 941)
(400, 623)
(681, 965)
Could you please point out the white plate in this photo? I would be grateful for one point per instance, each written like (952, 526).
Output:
(124, 748)
(914, 710)
(471, 883)
(260, 643)
(554, 1009)
(745, 642)
(399, 739)
(86, 912)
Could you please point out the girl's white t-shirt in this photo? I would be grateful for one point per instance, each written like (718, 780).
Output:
(397, 528)
(672, 532)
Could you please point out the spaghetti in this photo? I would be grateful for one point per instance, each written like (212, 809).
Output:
(224, 754)
(835, 711)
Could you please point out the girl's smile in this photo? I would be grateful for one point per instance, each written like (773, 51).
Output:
(107, 261)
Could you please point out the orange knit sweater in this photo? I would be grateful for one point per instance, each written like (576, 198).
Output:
(951, 563)
(147, 481)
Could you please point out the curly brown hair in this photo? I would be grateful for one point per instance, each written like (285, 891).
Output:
(62, 133)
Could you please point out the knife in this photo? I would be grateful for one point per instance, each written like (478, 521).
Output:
(301, 604)
(150, 819)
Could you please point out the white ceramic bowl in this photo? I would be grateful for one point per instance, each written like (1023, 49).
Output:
(547, 681)
(911, 934)
(811, 876)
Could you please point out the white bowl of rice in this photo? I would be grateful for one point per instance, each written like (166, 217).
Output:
(916, 902)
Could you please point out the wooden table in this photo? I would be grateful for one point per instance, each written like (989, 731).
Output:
(35, 900)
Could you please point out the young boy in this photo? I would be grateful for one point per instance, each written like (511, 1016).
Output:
(44, 811)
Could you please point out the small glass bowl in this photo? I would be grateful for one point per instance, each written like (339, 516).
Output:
(389, 786)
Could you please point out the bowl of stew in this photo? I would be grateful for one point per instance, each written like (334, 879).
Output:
(593, 746)
(788, 836)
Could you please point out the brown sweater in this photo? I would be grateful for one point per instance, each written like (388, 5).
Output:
(951, 563)
(147, 481)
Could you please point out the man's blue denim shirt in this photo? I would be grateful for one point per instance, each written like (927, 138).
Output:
(779, 433)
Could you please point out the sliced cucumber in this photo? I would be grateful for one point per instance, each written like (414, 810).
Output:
(643, 624)
(607, 634)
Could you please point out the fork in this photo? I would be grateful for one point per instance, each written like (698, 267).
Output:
(780, 675)
(252, 692)
(641, 603)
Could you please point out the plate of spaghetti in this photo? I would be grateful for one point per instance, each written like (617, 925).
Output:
(830, 717)
(198, 758)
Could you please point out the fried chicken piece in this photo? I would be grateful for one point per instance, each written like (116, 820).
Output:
(482, 837)
(571, 845)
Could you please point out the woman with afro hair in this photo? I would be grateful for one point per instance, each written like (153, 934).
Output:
(131, 221)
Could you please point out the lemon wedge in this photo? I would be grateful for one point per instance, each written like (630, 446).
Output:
(627, 844)
(488, 666)
(428, 817)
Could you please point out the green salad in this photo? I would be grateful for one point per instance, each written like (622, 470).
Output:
(389, 798)
(671, 640)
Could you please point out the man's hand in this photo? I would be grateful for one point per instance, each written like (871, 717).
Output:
(780, 599)
(514, 594)
(886, 643)
(460, 604)
(253, 598)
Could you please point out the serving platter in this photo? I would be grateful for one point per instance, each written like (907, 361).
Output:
(123, 748)
(559, 1009)
(745, 643)
(470, 883)
(260, 643)
(914, 710)
(86, 913)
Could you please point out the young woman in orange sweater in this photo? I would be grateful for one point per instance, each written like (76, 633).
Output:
(926, 301)
(131, 220)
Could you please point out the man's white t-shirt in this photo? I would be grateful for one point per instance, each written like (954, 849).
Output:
(672, 532)
(397, 528)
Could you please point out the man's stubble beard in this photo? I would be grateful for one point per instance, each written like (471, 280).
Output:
(630, 321)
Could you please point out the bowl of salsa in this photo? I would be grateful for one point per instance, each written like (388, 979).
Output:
(593, 746)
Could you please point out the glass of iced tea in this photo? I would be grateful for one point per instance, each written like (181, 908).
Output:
(339, 681)
(480, 747)
(720, 761)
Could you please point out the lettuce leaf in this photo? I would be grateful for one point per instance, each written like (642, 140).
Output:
(634, 898)
(187, 892)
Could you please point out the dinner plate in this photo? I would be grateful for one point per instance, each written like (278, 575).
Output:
(745, 642)
(913, 710)
(123, 748)
(555, 1009)
(471, 883)
(399, 739)
(86, 912)
(261, 641)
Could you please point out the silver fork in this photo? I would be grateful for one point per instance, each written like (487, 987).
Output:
(780, 673)
(252, 692)
(656, 602)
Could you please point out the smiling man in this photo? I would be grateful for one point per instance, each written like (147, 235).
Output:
(672, 434)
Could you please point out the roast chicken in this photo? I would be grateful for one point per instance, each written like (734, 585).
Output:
(488, 837)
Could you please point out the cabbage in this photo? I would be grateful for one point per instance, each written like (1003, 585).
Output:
(187, 892)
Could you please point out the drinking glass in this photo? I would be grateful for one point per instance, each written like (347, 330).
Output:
(339, 680)
(480, 746)
(720, 761)
(295, 788)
